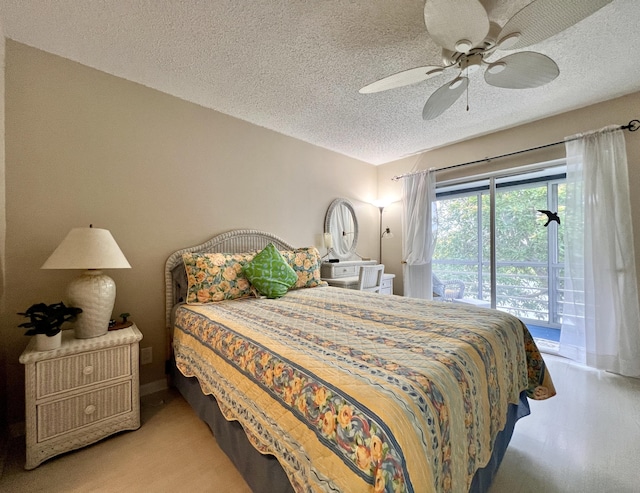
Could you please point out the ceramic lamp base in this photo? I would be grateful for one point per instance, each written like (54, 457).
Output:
(95, 293)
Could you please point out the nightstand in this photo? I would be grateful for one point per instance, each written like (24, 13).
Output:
(80, 393)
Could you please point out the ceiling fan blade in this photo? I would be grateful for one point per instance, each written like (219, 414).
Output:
(522, 70)
(404, 78)
(457, 25)
(542, 19)
(444, 97)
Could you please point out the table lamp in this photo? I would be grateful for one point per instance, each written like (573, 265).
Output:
(93, 291)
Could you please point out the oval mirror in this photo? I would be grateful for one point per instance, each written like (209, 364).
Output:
(342, 224)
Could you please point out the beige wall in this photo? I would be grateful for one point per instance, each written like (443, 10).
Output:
(617, 111)
(160, 173)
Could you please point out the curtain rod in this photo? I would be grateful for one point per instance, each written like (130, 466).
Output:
(632, 126)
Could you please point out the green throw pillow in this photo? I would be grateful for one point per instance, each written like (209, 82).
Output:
(270, 273)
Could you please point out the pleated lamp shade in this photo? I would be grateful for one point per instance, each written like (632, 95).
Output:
(95, 292)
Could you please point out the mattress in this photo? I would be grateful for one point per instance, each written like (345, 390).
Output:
(353, 391)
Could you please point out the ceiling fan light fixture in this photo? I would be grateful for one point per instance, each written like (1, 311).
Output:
(463, 46)
(496, 68)
(508, 41)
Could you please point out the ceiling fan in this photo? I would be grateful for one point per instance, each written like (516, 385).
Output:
(469, 39)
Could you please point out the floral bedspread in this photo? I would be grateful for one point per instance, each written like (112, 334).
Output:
(358, 392)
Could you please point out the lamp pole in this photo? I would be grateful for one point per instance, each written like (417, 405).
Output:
(380, 233)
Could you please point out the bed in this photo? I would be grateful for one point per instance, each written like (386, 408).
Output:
(329, 389)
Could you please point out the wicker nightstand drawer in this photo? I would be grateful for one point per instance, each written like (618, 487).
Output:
(80, 370)
(58, 417)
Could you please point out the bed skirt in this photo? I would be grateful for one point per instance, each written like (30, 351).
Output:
(263, 473)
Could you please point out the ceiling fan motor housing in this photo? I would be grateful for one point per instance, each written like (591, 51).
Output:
(470, 63)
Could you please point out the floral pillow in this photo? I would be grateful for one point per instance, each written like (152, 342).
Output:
(306, 264)
(216, 276)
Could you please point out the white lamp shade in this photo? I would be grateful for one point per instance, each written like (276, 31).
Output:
(87, 248)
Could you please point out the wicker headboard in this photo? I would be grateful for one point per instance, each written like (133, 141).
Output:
(235, 241)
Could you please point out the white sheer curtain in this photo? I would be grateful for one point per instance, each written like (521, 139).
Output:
(418, 235)
(601, 317)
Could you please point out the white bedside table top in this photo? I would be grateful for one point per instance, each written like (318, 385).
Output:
(71, 345)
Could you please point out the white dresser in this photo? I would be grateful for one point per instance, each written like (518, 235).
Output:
(344, 274)
(81, 392)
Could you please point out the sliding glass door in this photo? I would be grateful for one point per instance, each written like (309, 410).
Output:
(526, 246)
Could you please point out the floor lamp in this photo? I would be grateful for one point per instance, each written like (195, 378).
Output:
(386, 233)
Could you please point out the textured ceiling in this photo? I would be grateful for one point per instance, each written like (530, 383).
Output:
(295, 66)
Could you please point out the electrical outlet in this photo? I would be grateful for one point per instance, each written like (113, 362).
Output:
(146, 355)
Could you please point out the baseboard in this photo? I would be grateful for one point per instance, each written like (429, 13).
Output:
(151, 387)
